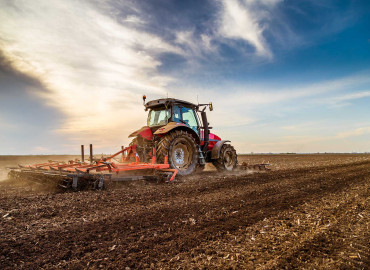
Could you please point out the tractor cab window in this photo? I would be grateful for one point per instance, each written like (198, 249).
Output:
(158, 117)
(176, 114)
(186, 116)
(189, 118)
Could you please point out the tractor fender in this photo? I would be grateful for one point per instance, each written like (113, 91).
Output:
(145, 132)
(177, 126)
(217, 149)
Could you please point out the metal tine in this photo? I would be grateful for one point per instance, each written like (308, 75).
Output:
(78, 170)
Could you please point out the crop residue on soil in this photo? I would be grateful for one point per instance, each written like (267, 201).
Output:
(311, 211)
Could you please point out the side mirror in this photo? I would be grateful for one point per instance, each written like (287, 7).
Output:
(210, 106)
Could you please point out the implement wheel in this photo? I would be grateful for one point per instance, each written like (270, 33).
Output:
(181, 149)
(228, 159)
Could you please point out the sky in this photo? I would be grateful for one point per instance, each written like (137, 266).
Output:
(283, 75)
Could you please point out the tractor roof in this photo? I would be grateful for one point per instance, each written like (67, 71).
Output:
(168, 102)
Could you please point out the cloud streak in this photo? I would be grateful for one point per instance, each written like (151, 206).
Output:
(257, 95)
(343, 100)
(243, 106)
(355, 132)
(246, 20)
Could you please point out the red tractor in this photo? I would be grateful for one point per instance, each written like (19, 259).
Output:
(175, 141)
(179, 130)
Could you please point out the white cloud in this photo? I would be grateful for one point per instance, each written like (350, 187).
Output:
(134, 19)
(187, 39)
(353, 96)
(355, 132)
(94, 67)
(343, 100)
(244, 20)
(238, 19)
(196, 48)
(254, 96)
(264, 111)
(302, 126)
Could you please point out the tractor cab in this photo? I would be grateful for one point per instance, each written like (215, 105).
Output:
(164, 111)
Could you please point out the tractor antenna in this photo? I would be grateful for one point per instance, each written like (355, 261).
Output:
(167, 94)
(197, 99)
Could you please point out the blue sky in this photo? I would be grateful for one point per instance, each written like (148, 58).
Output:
(284, 76)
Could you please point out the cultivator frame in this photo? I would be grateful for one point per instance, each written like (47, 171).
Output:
(81, 175)
(254, 167)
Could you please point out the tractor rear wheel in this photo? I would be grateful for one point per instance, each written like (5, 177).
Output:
(181, 149)
(228, 159)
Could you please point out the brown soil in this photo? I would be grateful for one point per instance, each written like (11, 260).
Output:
(310, 213)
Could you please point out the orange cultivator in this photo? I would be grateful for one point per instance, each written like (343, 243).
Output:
(81, 175)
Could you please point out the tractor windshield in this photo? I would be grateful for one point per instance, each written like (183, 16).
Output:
(158, 117)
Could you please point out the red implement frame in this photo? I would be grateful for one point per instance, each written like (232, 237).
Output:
(105, 164)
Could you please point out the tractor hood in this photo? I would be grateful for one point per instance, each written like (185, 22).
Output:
(144, 132)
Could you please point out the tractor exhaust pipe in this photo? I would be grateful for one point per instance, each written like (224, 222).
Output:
(206, 130)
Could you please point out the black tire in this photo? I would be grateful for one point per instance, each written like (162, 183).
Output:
(228, 159)
(181, 149)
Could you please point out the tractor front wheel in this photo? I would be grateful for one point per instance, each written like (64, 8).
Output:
(181, 149)
(228, 159)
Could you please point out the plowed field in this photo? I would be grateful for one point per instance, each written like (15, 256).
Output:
(310, 211)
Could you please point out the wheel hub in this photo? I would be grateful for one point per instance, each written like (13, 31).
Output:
(228, 159)
(179, 156)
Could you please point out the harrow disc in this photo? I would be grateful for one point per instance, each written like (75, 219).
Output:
(61, 181)
(254, 167)
(46, 179)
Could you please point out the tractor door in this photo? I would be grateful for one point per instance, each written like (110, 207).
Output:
(186, 116)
